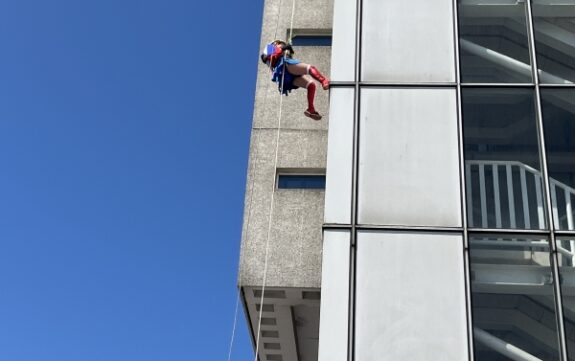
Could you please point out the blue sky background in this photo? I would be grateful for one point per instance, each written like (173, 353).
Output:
(124, 132)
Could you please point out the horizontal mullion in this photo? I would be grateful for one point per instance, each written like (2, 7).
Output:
(565, 233)
(368, 227)
(498, 85)
(533, 232)
(556, 85)
(340, 84)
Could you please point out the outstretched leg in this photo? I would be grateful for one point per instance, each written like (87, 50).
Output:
(305, 81)
(304, 69)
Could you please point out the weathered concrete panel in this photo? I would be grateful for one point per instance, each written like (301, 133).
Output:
(294, 258)
(295, 236)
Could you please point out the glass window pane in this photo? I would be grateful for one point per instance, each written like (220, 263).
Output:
(343, 48)
(339, 157)
(410, 297)
(311, 40)
(334, 316)
(503, 175)
(513, 301)
(493, 42)
(559, 122)
(555, 40)
(408, 41)
(409, 157)
(299, 181)
(566, 257)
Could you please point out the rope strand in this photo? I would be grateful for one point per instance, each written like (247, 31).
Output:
(278, 20)
(262, 297)
(245, 231)
(266, 257)
(234, 327)
(291, 23)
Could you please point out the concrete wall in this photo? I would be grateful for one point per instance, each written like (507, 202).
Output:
(295, 237)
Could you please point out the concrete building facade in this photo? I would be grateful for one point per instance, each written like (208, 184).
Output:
(446, 228)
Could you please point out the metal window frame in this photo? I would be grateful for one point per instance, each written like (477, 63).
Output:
(299, 172)
(310, 33)
(299, 175)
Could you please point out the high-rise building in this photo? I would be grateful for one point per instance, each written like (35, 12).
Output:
(446, 228)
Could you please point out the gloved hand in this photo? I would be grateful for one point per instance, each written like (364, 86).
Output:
(288, 47)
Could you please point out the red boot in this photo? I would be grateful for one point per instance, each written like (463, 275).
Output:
(311, 112)
(312, 70)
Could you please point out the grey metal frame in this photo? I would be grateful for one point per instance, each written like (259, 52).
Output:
(354, 183)
(547, 188)
(465, 230)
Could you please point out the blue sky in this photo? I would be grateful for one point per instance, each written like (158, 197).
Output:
(124, 133)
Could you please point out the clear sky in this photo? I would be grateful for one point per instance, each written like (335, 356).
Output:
(124, 133)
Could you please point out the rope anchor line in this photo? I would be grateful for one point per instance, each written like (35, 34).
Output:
(266, 257)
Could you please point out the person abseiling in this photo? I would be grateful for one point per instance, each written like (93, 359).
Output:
(278, 56)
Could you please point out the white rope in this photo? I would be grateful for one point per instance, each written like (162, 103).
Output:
(270, 219)
(278, 20)
(246, 229)
(234, 326)
(248, 220)
(245, 232)
(262, 297)
(291, 23)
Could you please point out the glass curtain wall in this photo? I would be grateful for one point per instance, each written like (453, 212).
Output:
(558, 107)
(566, 261)
(511, 64)
(517, 74)
(493, 41)
(503, 171)
(513, 298)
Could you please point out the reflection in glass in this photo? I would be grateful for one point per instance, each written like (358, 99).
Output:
(566, 257)
(559, 123)
(503, 175)
(512, 295)
(554, 27)
(493, 42)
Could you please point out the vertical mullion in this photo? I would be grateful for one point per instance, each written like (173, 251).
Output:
(545, 175)
(465, 187)
(539, 117)
(463, 175)
(558, 300)
(355, 172)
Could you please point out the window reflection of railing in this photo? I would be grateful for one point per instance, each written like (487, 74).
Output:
(508, 62)
(509, 195)
(509, 204)
(559, 190)
(566, 249)
(502, 347)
